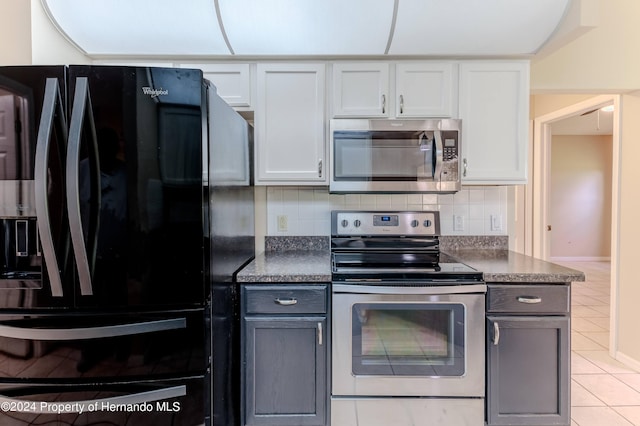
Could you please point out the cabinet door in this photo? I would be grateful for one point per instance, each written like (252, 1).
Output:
(232, 81)
(424, 89)
(494, 108)
(285, 371)
(361, 89)
(528, 370)
(289, 124)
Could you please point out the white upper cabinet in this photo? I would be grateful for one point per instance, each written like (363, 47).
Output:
(420, 89)
(232, 81)
(494, 108)
(361, 89)
(290, 124)
(424, 89)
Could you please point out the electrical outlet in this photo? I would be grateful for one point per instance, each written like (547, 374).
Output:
(283, 224)
(496, 222)
(458, 223)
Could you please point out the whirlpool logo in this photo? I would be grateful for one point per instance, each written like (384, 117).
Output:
(154, 93)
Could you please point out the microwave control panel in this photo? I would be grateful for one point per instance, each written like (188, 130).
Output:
(449, 145)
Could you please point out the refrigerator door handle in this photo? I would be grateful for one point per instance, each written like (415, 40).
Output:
(84, 254)
(52, 118)
(56, 334)
(77, 407)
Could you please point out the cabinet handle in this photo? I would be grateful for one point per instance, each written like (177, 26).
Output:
(286, 302)
(464, 167)
(320, 167)
(384, 104)
(320, 333)
(529, 299)
(401, 104)
(496, 334)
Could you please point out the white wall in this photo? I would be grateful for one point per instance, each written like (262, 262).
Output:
(15, 32)
(580, 197)
(308, 209)
(629, 288)
(606, 60)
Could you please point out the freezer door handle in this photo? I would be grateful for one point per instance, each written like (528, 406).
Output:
(84, 333)
(49, 407)
(85, 255)
(52, 119)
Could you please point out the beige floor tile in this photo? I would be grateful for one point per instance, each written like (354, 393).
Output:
(600, 322)
(585, 324)
(580, 365)
(582, 343)
(598, 416)
(600, 337)
(580, 397)
(632, 380)
(608, 389)
(603, 309)
(586, 300)
(604, 361)
(581, 311)
(632, 414)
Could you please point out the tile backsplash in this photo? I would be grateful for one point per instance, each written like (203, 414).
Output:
(475, 210)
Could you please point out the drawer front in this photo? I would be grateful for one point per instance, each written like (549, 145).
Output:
(285, 299)
(542, 299)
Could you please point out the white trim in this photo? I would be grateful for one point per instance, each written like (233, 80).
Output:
(627, 360)
(579, 259)
(540, 191)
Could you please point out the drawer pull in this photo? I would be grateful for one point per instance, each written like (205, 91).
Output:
(529, 299)
(496, 334)
(320, 333)
(286, 302)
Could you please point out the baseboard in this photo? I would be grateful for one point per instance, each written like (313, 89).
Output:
(579, 259)
(628, 361)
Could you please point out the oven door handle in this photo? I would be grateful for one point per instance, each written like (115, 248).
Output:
(435, 288)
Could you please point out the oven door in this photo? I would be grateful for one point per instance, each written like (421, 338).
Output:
(408, 341)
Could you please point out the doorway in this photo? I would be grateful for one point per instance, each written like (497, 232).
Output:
(539, 194)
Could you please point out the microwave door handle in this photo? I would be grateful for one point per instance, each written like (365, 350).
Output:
(424, 145)
(437, 152)
(82, 115)
(52, 118)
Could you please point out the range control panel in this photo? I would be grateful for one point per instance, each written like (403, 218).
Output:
(354, 223)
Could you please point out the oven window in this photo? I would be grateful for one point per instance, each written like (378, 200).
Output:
(421, 339)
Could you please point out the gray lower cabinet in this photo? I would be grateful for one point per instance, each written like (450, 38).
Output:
(528, 355)
(285, 348)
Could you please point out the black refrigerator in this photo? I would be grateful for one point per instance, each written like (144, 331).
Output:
(126, 209)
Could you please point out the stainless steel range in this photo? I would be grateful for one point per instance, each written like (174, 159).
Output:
(408, 324)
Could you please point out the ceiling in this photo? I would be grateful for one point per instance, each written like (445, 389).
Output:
(214, 28)
(597, 122)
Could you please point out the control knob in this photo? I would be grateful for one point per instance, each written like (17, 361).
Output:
(344, 223)
(415, 223)
(427, 223)
(357, 223)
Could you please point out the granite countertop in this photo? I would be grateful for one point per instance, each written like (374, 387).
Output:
(287, 262)
(506, 266)
(299, 266)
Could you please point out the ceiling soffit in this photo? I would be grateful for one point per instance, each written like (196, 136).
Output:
(207, 28)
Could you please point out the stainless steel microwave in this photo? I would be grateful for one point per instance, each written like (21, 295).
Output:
(395, 156)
